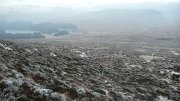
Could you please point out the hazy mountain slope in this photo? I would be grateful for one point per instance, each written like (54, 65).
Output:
(122, 19)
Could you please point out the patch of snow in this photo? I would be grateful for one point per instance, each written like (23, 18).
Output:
(167, 80)
(36, 49)
(167, 71)
(64, 73)
(29, 51)
(51, 69)
(55, 94)
(8, 81)
(173, 72)
(80, 90)
(1, 45)
(13, 81)
(173, 87)
(83, 55)
(174, 52)
(107, 93)
(43, 91)
(53, 55)
(140, 50)
(76, 51)
(60, 97)
(133, 66)
(57, 49)
(17, 74)
(162, 98)
(148, 58)
(126, 63)
(162, 72)
(6, 48)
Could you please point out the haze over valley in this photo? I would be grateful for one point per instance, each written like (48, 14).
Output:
(89, 50)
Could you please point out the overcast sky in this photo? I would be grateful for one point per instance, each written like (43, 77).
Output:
(75, 3)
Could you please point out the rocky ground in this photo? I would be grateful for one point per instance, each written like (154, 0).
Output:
(91, 72)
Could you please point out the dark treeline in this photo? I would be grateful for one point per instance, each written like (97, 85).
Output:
(46, 28)
(42, 27)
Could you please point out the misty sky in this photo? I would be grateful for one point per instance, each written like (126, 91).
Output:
(75, 3)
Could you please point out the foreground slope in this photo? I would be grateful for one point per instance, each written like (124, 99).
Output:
(67, 72)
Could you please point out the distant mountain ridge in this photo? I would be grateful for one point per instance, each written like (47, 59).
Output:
(126, 15)
(102, 19)
(28, 25)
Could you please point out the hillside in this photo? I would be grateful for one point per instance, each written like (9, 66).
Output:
(87, 72)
